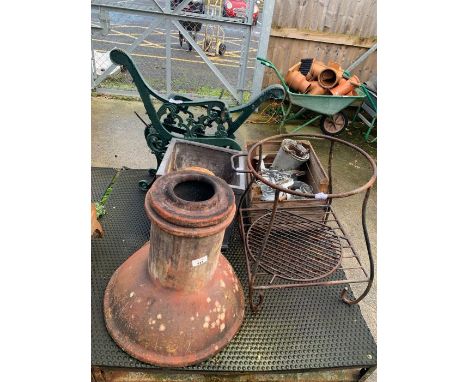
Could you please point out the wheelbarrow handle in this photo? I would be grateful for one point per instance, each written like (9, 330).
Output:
(265, 62)
(238, 170)
(269, 64)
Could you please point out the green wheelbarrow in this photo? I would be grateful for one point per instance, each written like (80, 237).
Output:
(328, 107)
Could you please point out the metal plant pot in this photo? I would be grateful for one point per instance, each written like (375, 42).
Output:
(290, 156)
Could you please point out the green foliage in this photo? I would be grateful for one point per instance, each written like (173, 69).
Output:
(100, 210)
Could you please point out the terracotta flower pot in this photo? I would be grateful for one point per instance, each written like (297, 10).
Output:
(337, 67)
(316, 89)
(295, 67)
(345, 87)
(317, 67)
(328, 78)
(292, 73)
(298, 82)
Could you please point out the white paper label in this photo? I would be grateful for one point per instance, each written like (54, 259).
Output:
(200, 261)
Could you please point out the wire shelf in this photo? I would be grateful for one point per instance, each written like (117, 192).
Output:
(298, 249)
(308, 269)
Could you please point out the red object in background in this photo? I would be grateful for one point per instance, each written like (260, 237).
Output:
(238, 8)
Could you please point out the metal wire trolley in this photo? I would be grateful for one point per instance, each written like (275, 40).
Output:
(214, 40)
(299, 244)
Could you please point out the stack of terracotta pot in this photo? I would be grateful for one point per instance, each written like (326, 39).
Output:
(321, 80)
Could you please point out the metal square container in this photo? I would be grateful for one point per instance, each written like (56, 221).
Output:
(181, 154)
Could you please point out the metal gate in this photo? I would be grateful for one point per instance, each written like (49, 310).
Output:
(201, 47)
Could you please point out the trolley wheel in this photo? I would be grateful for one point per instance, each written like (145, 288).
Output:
(206, 45)
(190, 47)
(181, 39)
(221, 49)
(333, 125)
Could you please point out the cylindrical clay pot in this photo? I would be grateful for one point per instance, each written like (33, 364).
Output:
(328, 78)
(345, 86)
(177, 301)
(316, 89)
(298, 82)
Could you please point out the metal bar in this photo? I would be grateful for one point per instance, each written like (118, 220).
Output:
(245, 49)
(306, 284)
(250, 12)
(104, 20)
(321, 257)
(205, 58)
(268, 9)
(306, 124)
(131, 48)
(158, 6)
(270, 226)
(93, 68)
(243, 62)
(194, 17)
(344, 293)
(362, 58)
(168, 52)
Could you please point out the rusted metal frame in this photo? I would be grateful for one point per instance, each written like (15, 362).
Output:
(340, 228)
(345, 292)
(330, 183)
(309, 284)
(351, 246)
(343, 235)
(321, 250)
(253, 273)
(285, 262)
(255, 307)
(244, 239)
(277, 260)
(324, 259)
(305, 283)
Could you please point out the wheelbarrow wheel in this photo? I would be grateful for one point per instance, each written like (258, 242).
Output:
(333, 125)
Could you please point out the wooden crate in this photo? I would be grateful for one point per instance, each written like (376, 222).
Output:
(315, 176)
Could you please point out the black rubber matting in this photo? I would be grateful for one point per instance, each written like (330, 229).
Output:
(297, 329)
(101, 177)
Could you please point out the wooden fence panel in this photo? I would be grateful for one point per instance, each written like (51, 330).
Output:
(337, 30)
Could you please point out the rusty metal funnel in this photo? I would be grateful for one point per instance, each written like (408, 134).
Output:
(177, 301)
